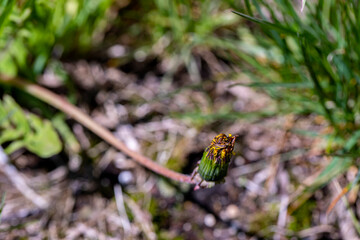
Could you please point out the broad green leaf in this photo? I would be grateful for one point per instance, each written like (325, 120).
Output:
(10, 134)
(15, 125)
(19, 118)
(4, 116)
(26, 130)
(7, 65)
(14, 146)
(43, 140)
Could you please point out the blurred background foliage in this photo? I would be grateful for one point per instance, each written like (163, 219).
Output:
(306, 61)
(33, 32)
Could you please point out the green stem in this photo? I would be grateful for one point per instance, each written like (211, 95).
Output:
(63, 105)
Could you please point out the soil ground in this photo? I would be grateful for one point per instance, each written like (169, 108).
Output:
(99, 193)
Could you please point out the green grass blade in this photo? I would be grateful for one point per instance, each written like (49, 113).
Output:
(317, 86)
(334, 168)
(5, 13)
(248, 7)
(272, 25)
(352, 141)
(275, 84)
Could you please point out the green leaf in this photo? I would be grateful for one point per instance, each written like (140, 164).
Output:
(19, 117)
(7, 65)
(26, 130)
(68, 137)
(14, 146)
(11, 116)
(4, 116)
(43, 140)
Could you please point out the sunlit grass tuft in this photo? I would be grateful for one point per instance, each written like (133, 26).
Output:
(316, 48)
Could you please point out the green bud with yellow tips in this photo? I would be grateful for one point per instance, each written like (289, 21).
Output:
(215, 161)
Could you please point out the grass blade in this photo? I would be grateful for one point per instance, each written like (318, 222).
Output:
(272, 25)
(274, 84)
(5, 13)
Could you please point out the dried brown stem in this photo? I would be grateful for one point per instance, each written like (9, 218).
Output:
(63, 105)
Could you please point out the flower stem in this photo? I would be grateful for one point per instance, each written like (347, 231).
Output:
(74, 112)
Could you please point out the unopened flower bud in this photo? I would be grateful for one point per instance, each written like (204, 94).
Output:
(216, 158)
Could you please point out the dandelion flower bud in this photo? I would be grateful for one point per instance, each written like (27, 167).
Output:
(216, 158)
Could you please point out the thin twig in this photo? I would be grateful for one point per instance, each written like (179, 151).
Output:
(63, 105)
